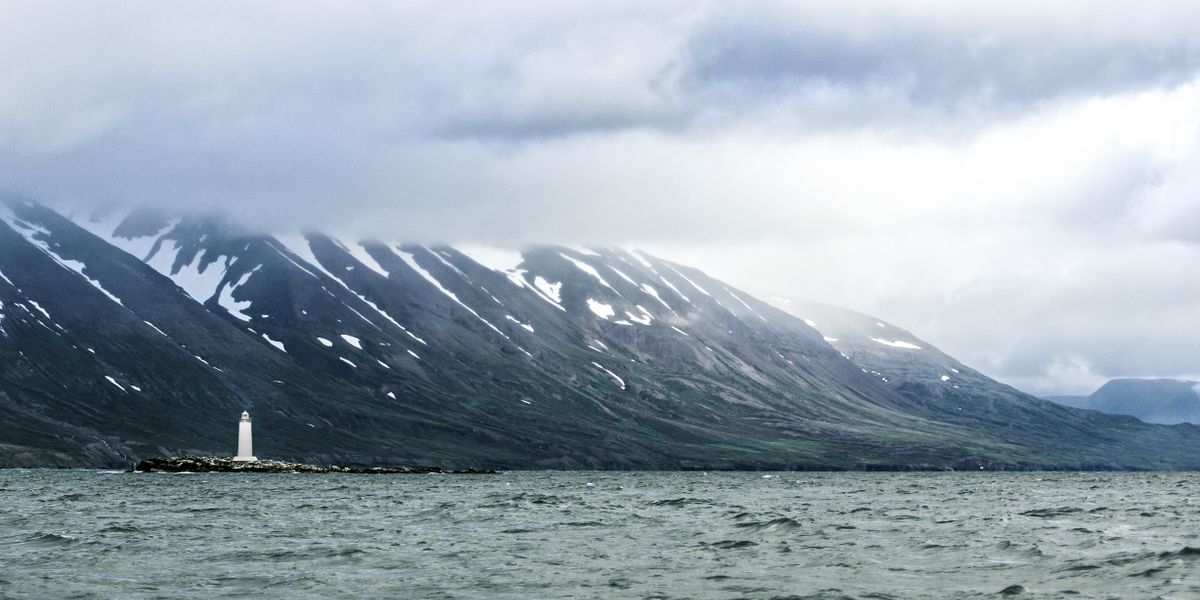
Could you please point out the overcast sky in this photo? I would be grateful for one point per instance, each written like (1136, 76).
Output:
(1017, 183)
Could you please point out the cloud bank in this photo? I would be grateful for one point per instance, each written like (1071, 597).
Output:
(1016, 182)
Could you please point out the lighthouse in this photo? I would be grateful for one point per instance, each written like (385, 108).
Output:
(245, 444)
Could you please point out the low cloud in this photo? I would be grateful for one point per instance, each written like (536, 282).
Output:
(908, 62)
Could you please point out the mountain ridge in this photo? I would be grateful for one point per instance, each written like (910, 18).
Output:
(156, 329)
(1153, 400)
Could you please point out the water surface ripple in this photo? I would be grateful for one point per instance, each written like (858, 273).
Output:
(80, 534)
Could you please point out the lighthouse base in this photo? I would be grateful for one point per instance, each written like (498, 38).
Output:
(245, 458)
(224, 464)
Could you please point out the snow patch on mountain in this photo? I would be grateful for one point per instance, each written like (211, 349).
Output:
(302, 248)
(735, 297)
(636, 254)
(299, 246)
(590, 270)
(496, 259)
(236, 307)
(40, 309)
(359, 252)
(155, 327)
(896, 344)
(79, 267)
(114, 382)
(582, 250)
(653, 292)
(360, 315)
(552, 291)
(139, 247)
(277, 344)
(31, 233)
(411, 261)
(620, 382)
(353, 341)
(199, 280)
(692, 283)
(622, 275)
(743, 303)
(450, 265)
(602, 310)
(643, 319)
(508, 262)
(525, 326)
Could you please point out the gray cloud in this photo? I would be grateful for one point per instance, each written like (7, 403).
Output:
(382, 72)
(927, 66)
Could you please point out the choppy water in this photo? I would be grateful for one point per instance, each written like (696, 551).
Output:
(599, 535)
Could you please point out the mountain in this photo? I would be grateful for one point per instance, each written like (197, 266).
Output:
(1072, 401)
(938, 387)
(139, 334)
(1167, 401)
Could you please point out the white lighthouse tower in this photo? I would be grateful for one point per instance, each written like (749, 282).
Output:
(245, 443)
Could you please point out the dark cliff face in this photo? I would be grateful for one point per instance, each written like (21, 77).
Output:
(142, 335)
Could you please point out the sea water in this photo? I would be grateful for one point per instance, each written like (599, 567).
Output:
(87, 534)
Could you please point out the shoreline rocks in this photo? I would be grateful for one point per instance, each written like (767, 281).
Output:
(222, 464)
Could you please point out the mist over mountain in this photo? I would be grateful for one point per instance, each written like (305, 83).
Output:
(141, 333)
(1166, 401)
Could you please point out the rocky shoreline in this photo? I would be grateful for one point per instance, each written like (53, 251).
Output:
(222, 464)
